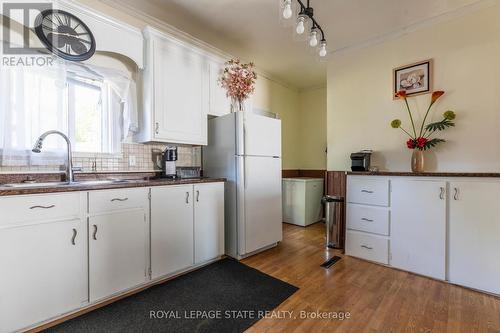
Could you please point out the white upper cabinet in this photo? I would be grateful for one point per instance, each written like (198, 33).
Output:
(474, 235)
(418, 226)
(220, 104)
(176, 92)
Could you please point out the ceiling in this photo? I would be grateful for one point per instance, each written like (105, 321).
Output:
(254, 29)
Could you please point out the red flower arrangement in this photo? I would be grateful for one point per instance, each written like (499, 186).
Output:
(423, 140)
(238, 79)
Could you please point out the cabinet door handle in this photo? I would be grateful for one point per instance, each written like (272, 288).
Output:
(455, 196)
(366, 220)
(94, 235)
(157, 128)
(119, 199)
(187, 197)
(75, 232)
(197, 196)
(42, 207)
(366, 191)
(367, 247)
(441, 193)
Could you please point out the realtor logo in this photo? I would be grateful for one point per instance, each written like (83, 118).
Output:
(18, 37)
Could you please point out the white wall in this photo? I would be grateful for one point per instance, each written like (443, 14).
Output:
(466, 53)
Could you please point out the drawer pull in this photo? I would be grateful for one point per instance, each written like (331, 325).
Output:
(367, 220)
(74, 236)
(367, 191)
(94, 235)
(455, 196)
(43, 207)
(197, 196)
(367, 247)
(187, 197)
(119, 199)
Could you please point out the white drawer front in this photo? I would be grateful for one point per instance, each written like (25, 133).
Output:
(368, 191)
(366, 246)
(41, 207)
(109, 200)
(368, 218)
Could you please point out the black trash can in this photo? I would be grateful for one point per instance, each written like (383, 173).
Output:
(333, 206)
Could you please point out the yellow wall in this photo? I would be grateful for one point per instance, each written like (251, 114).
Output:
(466, 53)
(312, 120)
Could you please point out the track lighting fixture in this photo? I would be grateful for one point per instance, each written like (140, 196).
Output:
(306, 13)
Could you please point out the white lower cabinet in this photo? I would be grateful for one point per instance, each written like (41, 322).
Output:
(118, 241)
(208, 222)
(171, 229)
(418, 226)
(43, 259)
(474, 235)
(187, 226)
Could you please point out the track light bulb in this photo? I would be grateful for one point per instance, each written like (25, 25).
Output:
(322, 49)
(300, 25)
(313, 39)
(287, 10)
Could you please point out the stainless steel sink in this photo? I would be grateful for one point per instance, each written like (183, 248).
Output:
(62, 184)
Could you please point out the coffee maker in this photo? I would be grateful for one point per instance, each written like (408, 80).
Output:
(168, 162)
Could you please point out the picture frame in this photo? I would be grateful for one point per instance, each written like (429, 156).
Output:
(416, 79)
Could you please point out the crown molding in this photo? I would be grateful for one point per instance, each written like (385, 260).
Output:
(184, 36)
(457, 13)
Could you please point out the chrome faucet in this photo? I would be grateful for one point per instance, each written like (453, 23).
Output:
(37, 148)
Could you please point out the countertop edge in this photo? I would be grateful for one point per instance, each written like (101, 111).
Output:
(426, 174)
(146, 183)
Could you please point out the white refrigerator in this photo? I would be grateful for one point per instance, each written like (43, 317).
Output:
(245, 148)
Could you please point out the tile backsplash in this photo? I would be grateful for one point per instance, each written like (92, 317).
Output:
(144, 154)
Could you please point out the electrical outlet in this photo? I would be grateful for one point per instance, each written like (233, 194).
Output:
(132, 161)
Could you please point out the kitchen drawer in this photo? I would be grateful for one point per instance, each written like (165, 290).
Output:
(368, 219)
(18, 210)
(109, 200)
(362, 190)
(367, 246)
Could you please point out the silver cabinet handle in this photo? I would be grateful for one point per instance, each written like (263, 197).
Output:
(441, 194)
(119, 199)
(42, 207)
(366, 191)
(187, 197)
(455, 196)
(94, 235)
(367, 247)
(197, 196)
(367, 220)
(74, 236)
(157, 128)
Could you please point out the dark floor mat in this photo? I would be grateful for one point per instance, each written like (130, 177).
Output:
(235, 294)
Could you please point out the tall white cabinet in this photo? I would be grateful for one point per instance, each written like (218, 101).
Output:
(175, 91)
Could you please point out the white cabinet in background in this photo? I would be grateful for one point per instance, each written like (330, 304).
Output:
(176, 91)
(474, 235)
(418, 226)
(220, 104)
(208, 221)
(43, 258)
(118, 241)
(172, 244)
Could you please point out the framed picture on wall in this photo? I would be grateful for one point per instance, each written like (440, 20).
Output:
(415, 79)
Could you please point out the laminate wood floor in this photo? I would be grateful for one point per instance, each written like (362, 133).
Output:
(378, 299)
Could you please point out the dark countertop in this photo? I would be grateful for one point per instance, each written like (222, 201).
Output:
(6, 191)
(427, 174)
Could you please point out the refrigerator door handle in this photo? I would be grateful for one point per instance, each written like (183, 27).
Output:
(244, 173)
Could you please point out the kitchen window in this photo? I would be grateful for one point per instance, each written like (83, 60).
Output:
(95, 107)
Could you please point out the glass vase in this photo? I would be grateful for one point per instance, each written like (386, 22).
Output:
(237, 105)
(417, 161)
